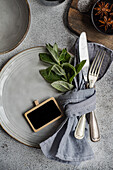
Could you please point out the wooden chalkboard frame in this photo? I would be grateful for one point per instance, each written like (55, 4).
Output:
(36, 107)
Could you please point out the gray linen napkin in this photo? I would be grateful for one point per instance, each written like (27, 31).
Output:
(62, 146)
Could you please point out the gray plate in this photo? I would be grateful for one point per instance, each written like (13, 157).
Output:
(20, 85)
(14, 23)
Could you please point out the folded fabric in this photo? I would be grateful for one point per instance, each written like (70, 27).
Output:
(63, 146)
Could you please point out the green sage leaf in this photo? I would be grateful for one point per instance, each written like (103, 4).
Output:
(53, 53)
(62, 86)
(49, 76)
(64, 78)
(79, 66)
(64, 56)
(70, 71)
(55, 47)
(48, 70)
(58, 70)
(46, 58)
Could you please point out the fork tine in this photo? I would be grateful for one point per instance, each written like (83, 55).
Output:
(101, 61)
(93, 65)
(97, 62)
(99, 58)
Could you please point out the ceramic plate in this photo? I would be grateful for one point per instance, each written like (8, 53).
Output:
(21, 84)
(14, 23)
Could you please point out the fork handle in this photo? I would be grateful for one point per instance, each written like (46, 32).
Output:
(94, 129)
(80, 129)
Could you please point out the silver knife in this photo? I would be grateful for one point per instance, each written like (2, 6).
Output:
(83, 54)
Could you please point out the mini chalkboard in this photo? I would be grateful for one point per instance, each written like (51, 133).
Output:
(43, 114)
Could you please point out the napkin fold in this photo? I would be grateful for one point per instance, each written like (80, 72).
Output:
(62, 145)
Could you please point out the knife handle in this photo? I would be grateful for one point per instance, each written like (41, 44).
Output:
(94, 129)
(80, 129)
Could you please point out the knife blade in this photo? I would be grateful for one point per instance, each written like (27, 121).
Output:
(83, 55)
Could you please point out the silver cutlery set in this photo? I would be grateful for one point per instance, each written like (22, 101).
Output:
(90, 75)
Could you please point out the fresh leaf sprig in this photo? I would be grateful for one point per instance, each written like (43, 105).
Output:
(61, 72)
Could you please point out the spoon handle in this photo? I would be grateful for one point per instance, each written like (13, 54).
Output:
(80, 129)
(94, 129)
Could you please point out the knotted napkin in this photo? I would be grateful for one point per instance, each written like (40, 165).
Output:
(62, 145)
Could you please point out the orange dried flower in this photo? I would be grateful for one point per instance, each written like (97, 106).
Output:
(102, 9)
(106, 22)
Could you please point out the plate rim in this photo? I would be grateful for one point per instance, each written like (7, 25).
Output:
(9, 132)
(12, 58)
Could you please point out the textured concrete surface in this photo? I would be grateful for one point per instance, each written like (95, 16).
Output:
(48, 25)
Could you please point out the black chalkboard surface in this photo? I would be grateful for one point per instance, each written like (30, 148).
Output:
(43, 114)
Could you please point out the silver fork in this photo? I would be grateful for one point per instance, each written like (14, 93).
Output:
(92, 77)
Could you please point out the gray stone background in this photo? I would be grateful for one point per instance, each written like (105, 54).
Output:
(48, 26)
